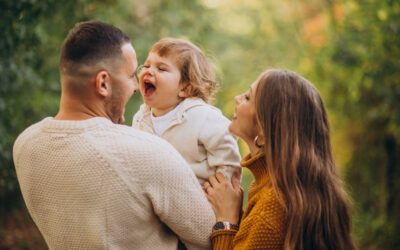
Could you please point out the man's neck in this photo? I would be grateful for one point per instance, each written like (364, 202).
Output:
(75, 110)
(72, 116)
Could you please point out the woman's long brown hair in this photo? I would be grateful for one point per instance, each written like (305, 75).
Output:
(299, 159)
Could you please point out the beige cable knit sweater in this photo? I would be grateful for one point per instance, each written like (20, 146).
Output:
(93, 184)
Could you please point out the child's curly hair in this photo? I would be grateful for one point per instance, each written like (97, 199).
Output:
(194, 67)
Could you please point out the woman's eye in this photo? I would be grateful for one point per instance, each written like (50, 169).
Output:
(246, 97)
(146, 66)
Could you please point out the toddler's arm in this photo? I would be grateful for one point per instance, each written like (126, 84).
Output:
(222, 149)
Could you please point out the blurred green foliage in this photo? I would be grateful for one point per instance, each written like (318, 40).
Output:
(29, 90)
(349, 49)
(361, 66)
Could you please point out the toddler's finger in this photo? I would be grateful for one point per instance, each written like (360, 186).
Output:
(213, 181)
(235, 181)
(220, 177)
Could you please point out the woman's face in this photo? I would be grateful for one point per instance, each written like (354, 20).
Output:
(244, 122)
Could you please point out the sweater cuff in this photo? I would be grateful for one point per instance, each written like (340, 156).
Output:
(223, 239)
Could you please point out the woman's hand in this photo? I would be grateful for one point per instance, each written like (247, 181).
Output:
(226, 200)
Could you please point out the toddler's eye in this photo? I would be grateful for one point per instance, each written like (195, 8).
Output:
(146, 66)
(162, 69)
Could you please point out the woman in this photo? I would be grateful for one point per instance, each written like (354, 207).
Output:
(296, 200)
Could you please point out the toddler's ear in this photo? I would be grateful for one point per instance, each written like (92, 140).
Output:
(185, 91)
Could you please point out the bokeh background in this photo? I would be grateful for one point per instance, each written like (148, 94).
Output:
(349, 49)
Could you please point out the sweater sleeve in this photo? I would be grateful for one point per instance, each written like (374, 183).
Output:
(179, 201)
(253, 234)
(223, 239)
(261, 228)
(222, 149)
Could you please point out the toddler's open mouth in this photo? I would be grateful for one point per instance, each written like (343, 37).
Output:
(149, 88)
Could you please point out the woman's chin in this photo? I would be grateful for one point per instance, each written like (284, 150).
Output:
(231, 129)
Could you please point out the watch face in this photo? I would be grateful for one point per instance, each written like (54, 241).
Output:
(219, 225)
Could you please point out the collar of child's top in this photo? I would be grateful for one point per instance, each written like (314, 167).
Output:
(184, 106)
(168, 116)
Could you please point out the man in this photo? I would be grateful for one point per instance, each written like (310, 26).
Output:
(90, 183)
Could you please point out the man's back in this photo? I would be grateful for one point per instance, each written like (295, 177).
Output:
(94, 184)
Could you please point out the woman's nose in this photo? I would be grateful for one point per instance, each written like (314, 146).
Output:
(237, 99)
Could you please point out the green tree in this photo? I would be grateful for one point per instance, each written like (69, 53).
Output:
(33, 31)
(361, 68)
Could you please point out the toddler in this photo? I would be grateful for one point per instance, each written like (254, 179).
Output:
(177, 82)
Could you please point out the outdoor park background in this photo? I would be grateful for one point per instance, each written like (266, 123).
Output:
(349, 49)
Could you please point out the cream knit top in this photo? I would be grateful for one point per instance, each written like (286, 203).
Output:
(93, 184)
(199, 132)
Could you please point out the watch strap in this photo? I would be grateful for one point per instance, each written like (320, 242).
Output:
(225, 225)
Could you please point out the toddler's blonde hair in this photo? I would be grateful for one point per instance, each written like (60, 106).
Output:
(195, 68)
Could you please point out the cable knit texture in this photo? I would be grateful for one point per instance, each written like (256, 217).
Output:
(263, 221)
(199, 132)
(93, 184)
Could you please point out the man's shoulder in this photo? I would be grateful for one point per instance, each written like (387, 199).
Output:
(135, 139)
(131, 133)
(27, 137)
(30, 131)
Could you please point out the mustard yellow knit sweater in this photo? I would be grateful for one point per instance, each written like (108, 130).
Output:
(263, 221)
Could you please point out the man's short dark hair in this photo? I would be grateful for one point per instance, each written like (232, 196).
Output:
(91, 42)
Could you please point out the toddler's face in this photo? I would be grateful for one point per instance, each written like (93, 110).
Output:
(160, 84)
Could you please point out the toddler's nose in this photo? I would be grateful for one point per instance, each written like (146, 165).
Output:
(144, 72)
(148, 70)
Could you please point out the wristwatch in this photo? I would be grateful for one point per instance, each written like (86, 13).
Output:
(224, 225)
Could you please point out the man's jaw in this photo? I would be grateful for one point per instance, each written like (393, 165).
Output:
(121, 120)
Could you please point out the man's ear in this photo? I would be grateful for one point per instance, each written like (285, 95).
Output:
(186, 89)
(103, 86)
